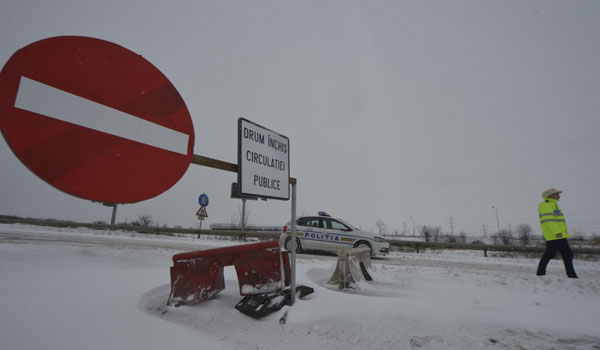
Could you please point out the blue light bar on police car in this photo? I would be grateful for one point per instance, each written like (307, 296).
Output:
(322, 213)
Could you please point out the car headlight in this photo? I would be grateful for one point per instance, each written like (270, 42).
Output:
(380, 240)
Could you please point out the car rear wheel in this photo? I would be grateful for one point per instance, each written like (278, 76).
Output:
(288, 245)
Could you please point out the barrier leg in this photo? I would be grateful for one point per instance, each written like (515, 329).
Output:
(352, 265)
(260, 271)
(195, 281)
(287, 270)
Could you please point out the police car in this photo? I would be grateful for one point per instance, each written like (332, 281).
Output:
(325, 233)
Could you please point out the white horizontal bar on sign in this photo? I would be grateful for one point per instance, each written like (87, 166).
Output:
(46, 100)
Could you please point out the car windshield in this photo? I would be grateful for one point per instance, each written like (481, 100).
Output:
(354, 228)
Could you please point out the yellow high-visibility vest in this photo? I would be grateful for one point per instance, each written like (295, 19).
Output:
(552, 220)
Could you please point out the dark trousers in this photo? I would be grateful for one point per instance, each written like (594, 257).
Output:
(552, 247)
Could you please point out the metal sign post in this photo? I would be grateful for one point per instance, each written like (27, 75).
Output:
(201, 213)
(114, 214)
(235, 193)
(243, 221)
(114, 211)
(200, 218)
(293, 253)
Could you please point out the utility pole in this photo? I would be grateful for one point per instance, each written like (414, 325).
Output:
(451, 224)
(414, 226)
(497, 220)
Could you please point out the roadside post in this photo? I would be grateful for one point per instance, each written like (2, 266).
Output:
(293, 252)
(235, 193)
(114, 214)
(114, 211)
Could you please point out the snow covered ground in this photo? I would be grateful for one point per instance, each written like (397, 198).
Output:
(82, 289)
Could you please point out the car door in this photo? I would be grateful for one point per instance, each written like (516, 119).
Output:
(310, 230)
(336, 234)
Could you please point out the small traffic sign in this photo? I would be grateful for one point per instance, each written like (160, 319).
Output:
(202, 212)
(94, 119)
(203, 200)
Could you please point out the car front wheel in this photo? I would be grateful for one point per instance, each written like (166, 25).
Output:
(363, 244)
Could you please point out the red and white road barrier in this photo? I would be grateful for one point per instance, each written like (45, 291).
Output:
(198, 276)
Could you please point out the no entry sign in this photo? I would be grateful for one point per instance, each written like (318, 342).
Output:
(94, 119)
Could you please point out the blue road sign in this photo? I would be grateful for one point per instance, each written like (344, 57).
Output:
(203, 200)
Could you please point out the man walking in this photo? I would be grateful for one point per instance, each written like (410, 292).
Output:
(555, 233)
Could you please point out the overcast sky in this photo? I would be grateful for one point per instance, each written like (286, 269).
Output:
(395, 110)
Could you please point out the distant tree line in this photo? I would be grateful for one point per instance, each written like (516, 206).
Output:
(434, 234)
(522, 235)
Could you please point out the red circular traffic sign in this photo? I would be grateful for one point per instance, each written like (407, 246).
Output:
(95, 119)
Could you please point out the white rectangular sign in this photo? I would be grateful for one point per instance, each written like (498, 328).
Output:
(263, 161)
